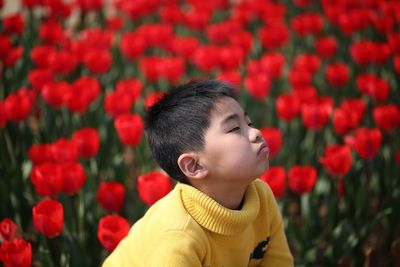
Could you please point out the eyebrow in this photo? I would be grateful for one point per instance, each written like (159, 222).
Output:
(233, 116)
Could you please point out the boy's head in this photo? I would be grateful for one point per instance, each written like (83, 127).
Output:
(177, 123)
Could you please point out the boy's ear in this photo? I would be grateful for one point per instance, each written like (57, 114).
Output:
(190, 166)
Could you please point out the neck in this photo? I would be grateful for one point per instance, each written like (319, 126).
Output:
(230, 196)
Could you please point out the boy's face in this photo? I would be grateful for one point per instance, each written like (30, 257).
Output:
(234, 150)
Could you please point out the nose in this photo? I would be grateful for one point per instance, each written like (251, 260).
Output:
(255, 135)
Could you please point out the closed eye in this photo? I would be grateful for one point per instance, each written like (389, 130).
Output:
(234, 129)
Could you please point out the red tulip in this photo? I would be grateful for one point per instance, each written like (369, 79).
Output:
(258, 85)
(309, 62)
(348, 116)
(111, 195)
(47, 179)
(112, 229)
(153, 186)
(55, 93)
(373, 86)
(17, 252)
(129, 128)
(73, 177)
(326, 47)
(83, 92)
(272, 64)
(63, 62)
(183, 46)
(5, 45)
(51, 32)
(222, 31)
(152, 98)
(275, 177)
(98, 61)
(40, 153)
(356, 20)
(8, 230)
(206, 58)
(337, 74)
(40, 77)
(305, 94)
(114, 23)
(273, 137)
(12, 56)
(132, 87)
(274, 35)
(387, 117)
(366, 142)
(132, 45)
(233, 77)
(397, 64)
(299, 77)
(96, 38)
(243, 39)
(287, 106)
(316, 115)
(64, 150)
(171, 14)
(394, 41)
(48, 217)
(302, 179)
(197, 17)
(13, 24)
(366, 52)
(117, 103)
(230, 57)
(337, 160)
(307, 24)
(88, 141)
(3, 115)
(89, 5)
(18, 105)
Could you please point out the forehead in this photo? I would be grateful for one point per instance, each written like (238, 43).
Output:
(225, 106)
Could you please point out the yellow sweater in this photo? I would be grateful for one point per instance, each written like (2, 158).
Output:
(187, 228)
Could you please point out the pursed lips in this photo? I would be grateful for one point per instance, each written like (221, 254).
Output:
(263, 147)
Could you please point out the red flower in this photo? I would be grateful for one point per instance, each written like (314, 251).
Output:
(132, 45)
(373, 86)
(366, 142)
(305, 94)
(397, 64)
(73, 177)
(5, 45)
(316, 115)
(206, 58)
(112, 229)
(337, 74)
(88, 141)
(3, 115)
(233, 77)
(55, 93)
(272, 64)
(305, 24)
(47, 179)
(230, 57)
(197, 18)
(51, 32)
(40, 77)
(129, 128)
(132, 87)
(114, 23)
(366, 53)
(348, 116)
(48, 217)
(63, 62)
(183, 46)
(299, 77)
(82, 93)
(274, 35)
(64, 150)
(12, 56)
(117, 103)
(309, 62)
(13, 24)
(287, 106)
(273, 137)
(326, 47)
(337, 160)
(17, 252)
(394, 41)
(98, 60)
(171, 14)
(8, 230)
(111, 195)
(222, 31)
(275, 177)
(89, 5)
(155, 34)
(258, 85)
(302, 179)
(152, 98)
(243, 39)
(40, 153)
(153, 186)
(18, 105)
(95, 38)
(356, 20)
(387, 117)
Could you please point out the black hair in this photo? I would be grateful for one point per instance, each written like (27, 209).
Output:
(177, 122)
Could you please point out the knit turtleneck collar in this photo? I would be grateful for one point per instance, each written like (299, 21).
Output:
(216, 218)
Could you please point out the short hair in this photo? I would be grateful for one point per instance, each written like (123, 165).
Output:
(177, 122)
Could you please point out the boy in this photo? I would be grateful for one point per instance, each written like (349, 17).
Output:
(218, 214)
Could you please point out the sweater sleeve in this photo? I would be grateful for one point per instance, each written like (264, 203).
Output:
(175, 249)
(278, 253)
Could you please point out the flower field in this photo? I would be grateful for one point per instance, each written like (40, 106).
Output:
(320, 78)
